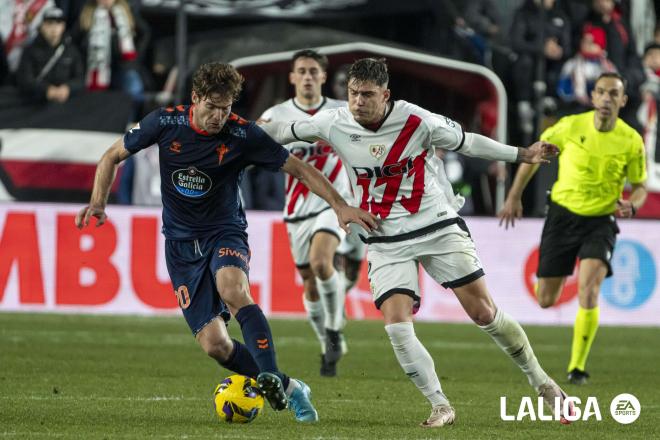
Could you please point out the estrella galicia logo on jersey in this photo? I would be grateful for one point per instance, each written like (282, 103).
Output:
(191, 182)
(634, 276)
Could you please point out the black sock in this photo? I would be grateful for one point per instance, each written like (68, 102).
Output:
(241, 361)
(258, 339)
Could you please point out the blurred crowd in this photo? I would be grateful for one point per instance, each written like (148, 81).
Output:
(547, 52)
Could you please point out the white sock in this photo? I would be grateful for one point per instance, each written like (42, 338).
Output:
(316, 318)
(293, 384)
(333, 296)
(416, 362)
(511, 338)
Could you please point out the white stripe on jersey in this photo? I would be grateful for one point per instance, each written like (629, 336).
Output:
(300, 202)
(392, 170)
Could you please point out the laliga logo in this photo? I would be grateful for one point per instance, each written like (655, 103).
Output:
(526, 409)
(624, 408)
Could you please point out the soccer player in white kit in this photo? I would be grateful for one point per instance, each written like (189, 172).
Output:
(314, 234)
(387, 148)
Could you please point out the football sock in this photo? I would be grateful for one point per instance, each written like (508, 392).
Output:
(258, 339)
(293, 384)
(511, 338)
(241, 361)
(584, 333)
(333, 296)
(416, 362)
(316, 318)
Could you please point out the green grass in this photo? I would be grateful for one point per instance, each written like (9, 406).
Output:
(98, 377)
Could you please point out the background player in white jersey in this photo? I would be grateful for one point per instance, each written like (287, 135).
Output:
(314, 233)
(387, 147)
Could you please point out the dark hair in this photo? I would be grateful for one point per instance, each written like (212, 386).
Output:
(369, 70)
(615, 75)
(310, 53)
(650, 47)
(219, 78)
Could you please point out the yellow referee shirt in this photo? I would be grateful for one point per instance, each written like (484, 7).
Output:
(594, 165)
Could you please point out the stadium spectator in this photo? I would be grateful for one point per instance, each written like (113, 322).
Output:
(340, 82)
(541, 36)
(113, 39)
(481, 25)
(621, 50)
(51, 68)
(4, 67)
(19, 22)
(651, 63)
(386, 146)
(139, 182)
(640, 15)
(599, 152)
(647, 115)
(580, 72)
(314, 235)
(204, 149)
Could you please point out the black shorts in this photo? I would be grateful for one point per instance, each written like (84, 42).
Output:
(567, 236)
(193, 264)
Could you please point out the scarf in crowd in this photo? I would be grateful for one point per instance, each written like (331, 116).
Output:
(26, 16)
(99, 55)
(586, 70)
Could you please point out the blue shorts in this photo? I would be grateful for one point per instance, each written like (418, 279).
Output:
(192, 265)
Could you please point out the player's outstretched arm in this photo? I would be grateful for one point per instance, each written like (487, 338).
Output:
(287, 132)
(319, 185)
(106, 170)
(476, 145)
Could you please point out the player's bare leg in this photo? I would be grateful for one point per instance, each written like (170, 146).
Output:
(331, 290)
(548, 290)
(415, 360)
(510, 337)
(591, 274)
(231, 354)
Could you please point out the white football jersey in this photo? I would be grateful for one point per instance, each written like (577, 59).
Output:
(393, 170)
(300, 202)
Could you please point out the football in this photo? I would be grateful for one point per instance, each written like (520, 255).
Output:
(237, 399)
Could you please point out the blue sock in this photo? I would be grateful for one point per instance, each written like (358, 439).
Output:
(241, 361)
(258, 339)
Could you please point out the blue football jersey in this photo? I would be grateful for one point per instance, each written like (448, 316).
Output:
(200, 173)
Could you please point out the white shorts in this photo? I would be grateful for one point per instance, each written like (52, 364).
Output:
(301, 233)
(352, 247)
(448, 255)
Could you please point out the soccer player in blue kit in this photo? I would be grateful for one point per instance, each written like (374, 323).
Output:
(203, 150)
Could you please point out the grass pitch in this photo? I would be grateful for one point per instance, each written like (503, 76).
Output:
(101, 377)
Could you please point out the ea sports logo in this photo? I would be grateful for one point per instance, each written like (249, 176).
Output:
(625, 408)
(531, 265)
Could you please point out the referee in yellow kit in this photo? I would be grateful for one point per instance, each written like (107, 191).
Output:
(598, 152)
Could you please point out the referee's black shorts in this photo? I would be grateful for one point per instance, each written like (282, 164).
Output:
(567, 236)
